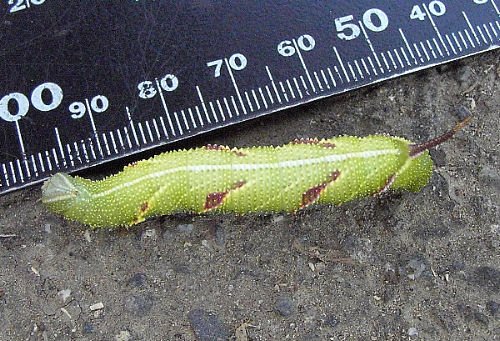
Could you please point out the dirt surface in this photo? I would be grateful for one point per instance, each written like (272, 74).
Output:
(399, 266)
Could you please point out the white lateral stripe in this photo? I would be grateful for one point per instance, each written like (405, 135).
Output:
(252, 166)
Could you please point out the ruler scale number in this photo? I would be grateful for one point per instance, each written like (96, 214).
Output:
(356, 47)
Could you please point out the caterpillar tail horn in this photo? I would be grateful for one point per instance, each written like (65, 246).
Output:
(417, 149)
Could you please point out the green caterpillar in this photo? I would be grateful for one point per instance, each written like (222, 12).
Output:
(257, 179)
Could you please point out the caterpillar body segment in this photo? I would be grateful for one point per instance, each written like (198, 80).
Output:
(257, 179)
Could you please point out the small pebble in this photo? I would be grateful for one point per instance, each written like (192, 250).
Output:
(492, 307)
(412, 332)
(185, 227)
(139, 305)
(96, 306)
(285, 306)
(207, 327)
(415, 268)
(123, 335)
(88, 328)
(137, 280)
(64, 294)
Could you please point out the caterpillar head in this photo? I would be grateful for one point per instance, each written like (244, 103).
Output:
(61, 191)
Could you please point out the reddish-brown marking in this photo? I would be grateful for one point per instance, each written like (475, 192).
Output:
(215, 147)
(328, 145)
(144, 207)
(305, 141)
(312, 194)
(223, 148)
(386, 186)
(313, 141)
(216, 199)
(133, 164)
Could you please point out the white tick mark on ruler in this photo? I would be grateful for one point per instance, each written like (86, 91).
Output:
(94, 130)
(269, 94)
(120, 138)
(372, 65)
(127, 135)
(469, 37)
(306, 89)
(40, 159)
(256, 99)
(20, 171)
(191, 116)
(362, 26)
(299, 54)
(437, 47)
(394, 65)
(213, 112)
(221, 111)
(408, 48)
(203, 104)
(463, 40)
(273, 84)
(481, 34)
(92, 151)
(233, 101)
(47, 159)
(105, 140)
(33, 164)
(352, 72)
(317, 80)
(199, 115)
(324, 79)
(132, 126)
(399, 58)
(283, 90)
(184, 119)
(457, 42)
(229, 69)
(425, 51)
(157, 131)
(365, 66)
(142, 133)
(341, 64)
(297, 87)
(68, 149)
(181, 132)
(290, 88)
(226, 103)
(12, 172)
(261, 95)
(493, 29)
(450, 43)
(430, 48)
(150, 133)
(385, 61)
(471, 28)
(435, 28)
(111, 135)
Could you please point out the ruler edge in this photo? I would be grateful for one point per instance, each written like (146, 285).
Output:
(95, 163)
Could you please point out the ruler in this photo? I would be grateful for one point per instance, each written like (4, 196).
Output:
(84, 82)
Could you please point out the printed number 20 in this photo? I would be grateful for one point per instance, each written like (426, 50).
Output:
(19, 6)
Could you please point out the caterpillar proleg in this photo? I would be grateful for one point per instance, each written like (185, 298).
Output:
(256, 179)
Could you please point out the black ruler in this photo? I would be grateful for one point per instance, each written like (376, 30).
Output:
(87, 81)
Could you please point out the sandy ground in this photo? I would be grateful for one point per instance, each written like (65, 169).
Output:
(400, 266)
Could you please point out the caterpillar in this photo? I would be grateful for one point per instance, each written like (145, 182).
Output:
(257, 179)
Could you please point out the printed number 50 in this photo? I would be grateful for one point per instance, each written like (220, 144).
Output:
(353, 30)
